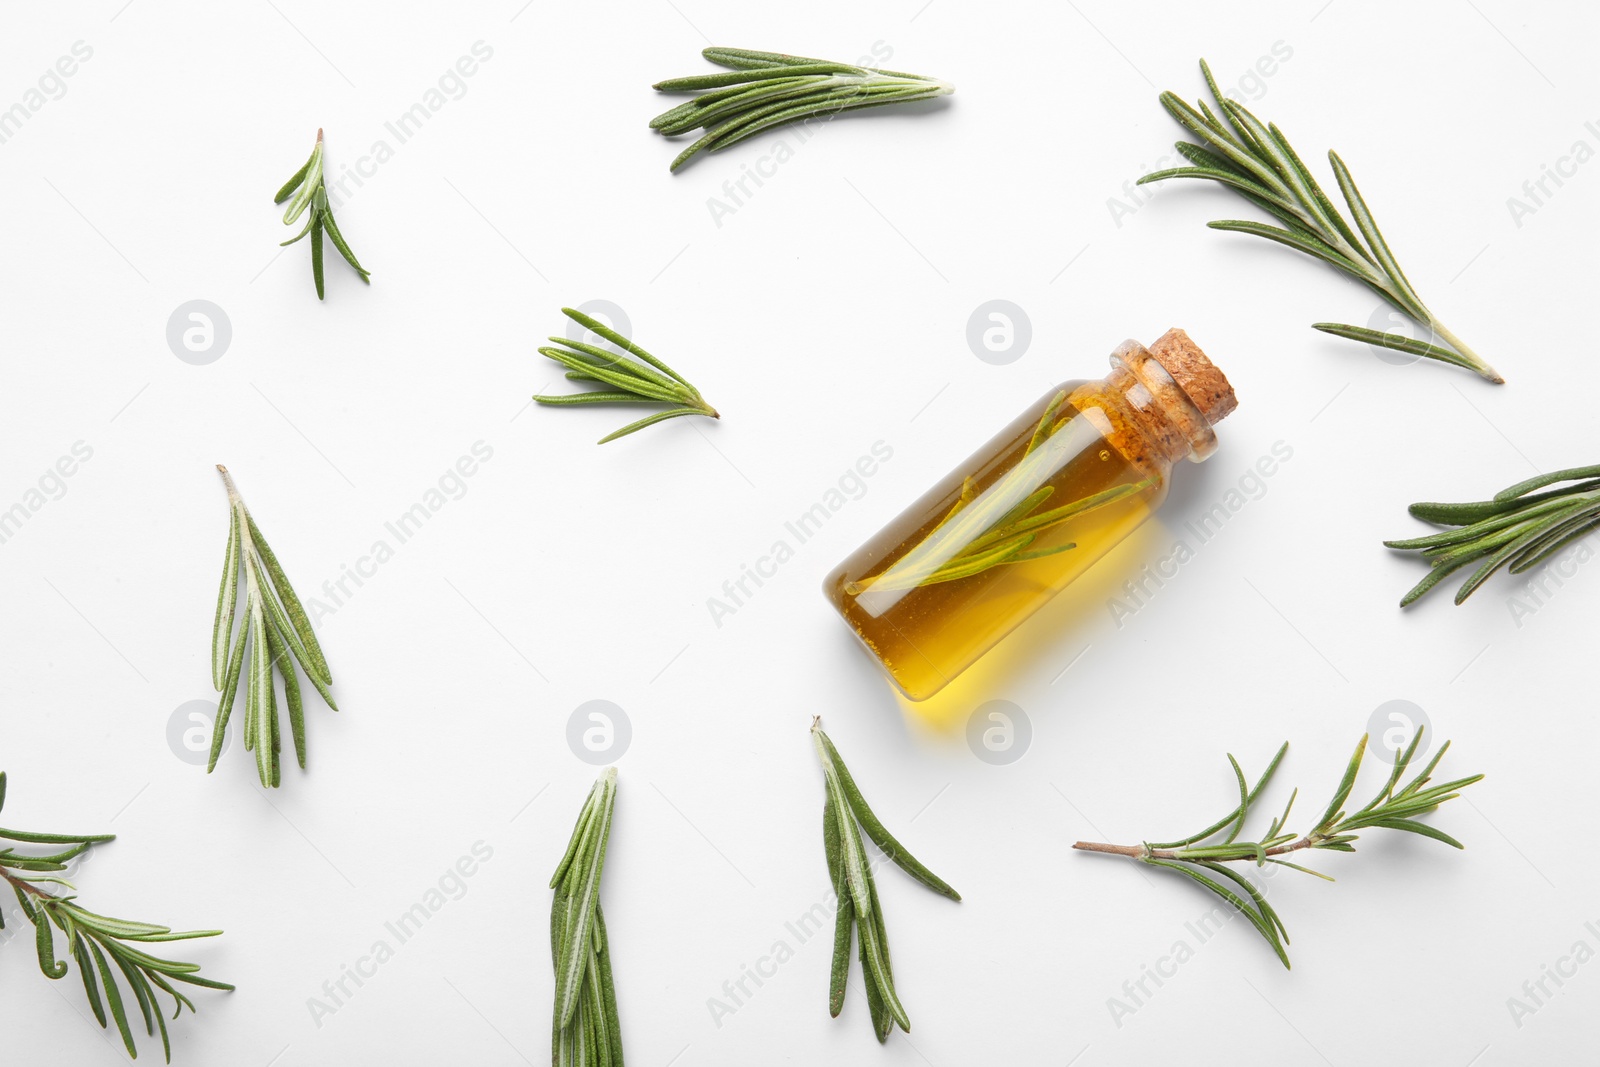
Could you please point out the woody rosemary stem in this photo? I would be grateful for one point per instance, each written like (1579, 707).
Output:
(1219, 853)
(18, 883)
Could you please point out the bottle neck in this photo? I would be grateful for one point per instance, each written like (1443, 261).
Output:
(1175, 425)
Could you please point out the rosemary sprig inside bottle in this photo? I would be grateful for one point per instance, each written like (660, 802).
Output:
(1519, 529)
(585, 1030)
(767, 89)
(631, 381)
(312, 195)
(96, 942)
(844, 814)
(1201, 857)
(1001, 524)
(1255, 160)
(274, 629)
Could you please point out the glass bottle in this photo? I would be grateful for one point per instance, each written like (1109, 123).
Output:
(1028, 512)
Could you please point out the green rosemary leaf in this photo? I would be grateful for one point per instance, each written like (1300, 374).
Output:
(141, 991)
(1244, 801)
(1257, 897)
(597, 396)
(316, 252)
(48, 964)
(1374, 238)
(114, 999)
(1256, 160)
(1231, 177)
(226, 598)
(877, 969)
(844, 920)
(230, 689)
(91, 987)
(294, 183)
(1385, 339)
(1523, 488)
(314, 661)
(608, 991)
(893, 849)
(1422, 828)
(648, 420)
(1311, 246)
(291, 692)
(344, 248)
(1261, 783)
(593, 356)
(1347, 783)
(877, 1011)
(1268, 932)
(305, 231)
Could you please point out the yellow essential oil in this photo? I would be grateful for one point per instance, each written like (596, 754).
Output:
(953, 574)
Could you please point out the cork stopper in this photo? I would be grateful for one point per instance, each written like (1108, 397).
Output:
(1205, 386)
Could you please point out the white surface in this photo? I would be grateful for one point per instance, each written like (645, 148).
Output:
(826, 313)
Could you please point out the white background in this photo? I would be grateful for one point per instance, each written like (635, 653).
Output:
(826, 313)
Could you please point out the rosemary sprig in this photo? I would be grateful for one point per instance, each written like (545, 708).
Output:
(767, 89)
(842, 810)
(998, 526)
(274, 628)
(585, 1029)
(1256, 161)
(1513, 529)
(313, 194)
(631, 381)
(96, 942)
(1203, 862)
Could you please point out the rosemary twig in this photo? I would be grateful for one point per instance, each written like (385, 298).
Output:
(1000, 525)
(584, 1030)
(1255, 160)
(844, 814)
(645, 380)
(313, 195)
(274, 629)
(95, 942)
(1519, 528)
(767, 89)
(1201, 857)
